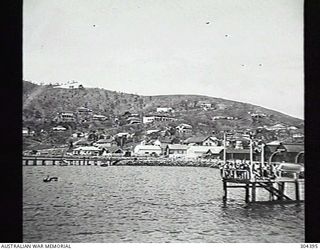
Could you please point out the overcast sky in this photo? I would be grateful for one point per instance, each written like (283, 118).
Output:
(248, 50)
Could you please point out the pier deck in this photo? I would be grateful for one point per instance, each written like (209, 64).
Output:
(251, 181)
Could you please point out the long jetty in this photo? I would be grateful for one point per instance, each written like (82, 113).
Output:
(114, 160)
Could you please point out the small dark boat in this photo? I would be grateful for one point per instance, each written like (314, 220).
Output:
(48, 179)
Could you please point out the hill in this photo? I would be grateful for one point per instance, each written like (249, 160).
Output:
(45, 101)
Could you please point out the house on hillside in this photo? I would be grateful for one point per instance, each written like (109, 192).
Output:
(87, 151)
(84, 114)
(59, 129)
(133, 120)
(113, 151)
(157, 118)
(201, 151)
(27, 132)
(176, 150)
(202, 141)
(147, 150)
(164, 110)
(298, 136)
(66, 116)
(205, 105)
(184, 129)
(277, 127)
(99, 118)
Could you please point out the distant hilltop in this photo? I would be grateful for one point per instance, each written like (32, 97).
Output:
(202, 112)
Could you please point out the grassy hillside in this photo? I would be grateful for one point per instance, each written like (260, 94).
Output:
(45, 101)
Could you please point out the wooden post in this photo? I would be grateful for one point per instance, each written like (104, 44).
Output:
(280, 187)
(225, 191)
(253, 192)
(262, 156)
(224, 148)
(247, 196)
(297, 190)
(270, 193)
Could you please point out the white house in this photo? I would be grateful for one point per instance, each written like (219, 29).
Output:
(105, 143)
(202, 141)
(99, 118)
(277, 127)
(87, 151)
(59, 129)
(164, 110)
(198, 151)
(146, 150)
(176, 150)
(158, 118)
(184, 128)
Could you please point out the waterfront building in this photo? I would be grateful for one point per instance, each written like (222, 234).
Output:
(202, 141)
(200, 151)
(87, 151)
(105, 143)
(147, 150)
(113, 151)
(176, 150)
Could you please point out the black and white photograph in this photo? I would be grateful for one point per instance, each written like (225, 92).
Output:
(172, 121)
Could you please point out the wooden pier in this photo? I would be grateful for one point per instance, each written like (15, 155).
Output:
(250, 182)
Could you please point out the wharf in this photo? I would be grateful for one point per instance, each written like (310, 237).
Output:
(251, 181)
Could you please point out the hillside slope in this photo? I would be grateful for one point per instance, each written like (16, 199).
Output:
(45, 101)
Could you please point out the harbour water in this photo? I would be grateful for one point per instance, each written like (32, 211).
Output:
(148, 204)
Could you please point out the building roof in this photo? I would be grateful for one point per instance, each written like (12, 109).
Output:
(99, 116)
(101, 141)
(114, 149)
(59, 128)
(205, 149)
(277, 143)
(177, 147)
(82, 142)
(293, 148)
(147, 147)
(151, 131)
(199, 139)
(88, 148)
(84, 109)
(184, 125)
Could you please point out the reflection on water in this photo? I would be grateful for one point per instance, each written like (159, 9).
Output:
(148, 204)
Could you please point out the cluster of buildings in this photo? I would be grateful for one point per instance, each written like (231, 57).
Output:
(195, 147)
(82, 114)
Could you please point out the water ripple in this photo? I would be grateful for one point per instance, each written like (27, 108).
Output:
(148, 204)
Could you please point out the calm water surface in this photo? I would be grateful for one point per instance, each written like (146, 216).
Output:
(148, 204)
